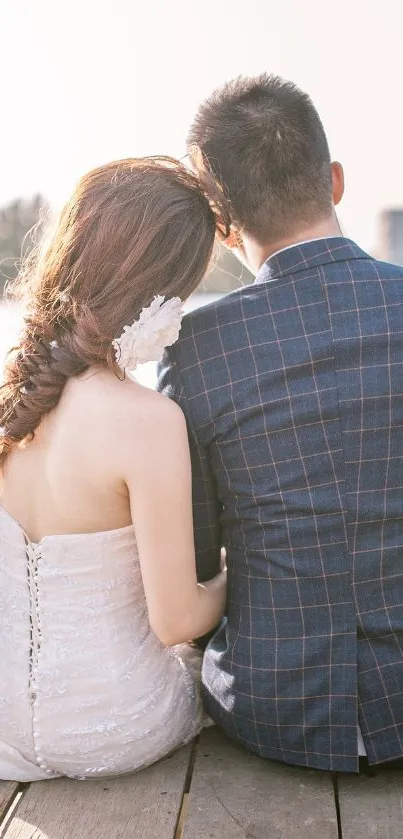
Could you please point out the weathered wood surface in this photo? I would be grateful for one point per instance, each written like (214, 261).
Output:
(372, 808)
(145, 805)
(8, 790)
(234, 795)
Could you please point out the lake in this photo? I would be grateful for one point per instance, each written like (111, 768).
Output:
(10, 321)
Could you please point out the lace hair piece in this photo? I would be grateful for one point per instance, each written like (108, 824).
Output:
(157, 327)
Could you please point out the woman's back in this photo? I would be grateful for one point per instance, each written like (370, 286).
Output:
(68, 479)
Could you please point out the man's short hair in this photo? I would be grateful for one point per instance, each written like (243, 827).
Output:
(263, 141)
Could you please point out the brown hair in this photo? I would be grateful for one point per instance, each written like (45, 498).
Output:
(132, 229)
(263, 141)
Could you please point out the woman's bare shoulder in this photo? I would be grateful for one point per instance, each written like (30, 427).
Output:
(132, 411)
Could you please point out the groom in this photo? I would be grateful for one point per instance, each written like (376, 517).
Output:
(292, 388)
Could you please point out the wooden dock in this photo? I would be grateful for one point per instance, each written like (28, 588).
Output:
(211, 790)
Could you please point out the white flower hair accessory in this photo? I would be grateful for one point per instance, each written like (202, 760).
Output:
(157, 327)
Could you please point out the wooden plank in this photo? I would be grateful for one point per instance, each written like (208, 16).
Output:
(8, 791)
(234, 795)
(144, 805)
(372, 807)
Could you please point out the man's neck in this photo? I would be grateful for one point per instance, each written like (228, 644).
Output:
(257, 254)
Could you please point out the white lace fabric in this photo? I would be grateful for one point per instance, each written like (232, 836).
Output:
(86, 688)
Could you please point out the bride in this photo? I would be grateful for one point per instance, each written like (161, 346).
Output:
(98, 588)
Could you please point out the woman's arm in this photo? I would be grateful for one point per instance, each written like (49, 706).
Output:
(160, 488)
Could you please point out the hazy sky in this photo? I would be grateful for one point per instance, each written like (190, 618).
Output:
(86, 81)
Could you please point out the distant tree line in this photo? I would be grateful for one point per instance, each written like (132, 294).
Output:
(17, 223)
(19, 219)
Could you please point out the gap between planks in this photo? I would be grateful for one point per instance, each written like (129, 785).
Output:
(185, 797)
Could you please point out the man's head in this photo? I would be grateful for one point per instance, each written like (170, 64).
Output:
(263, 141)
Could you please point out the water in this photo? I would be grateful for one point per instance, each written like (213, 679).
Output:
(10, 322)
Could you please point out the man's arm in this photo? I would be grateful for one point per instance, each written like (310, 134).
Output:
(206, 505)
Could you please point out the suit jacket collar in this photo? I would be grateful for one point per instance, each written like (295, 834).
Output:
(309, 255)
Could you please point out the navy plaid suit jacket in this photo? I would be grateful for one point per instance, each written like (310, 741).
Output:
(293, 393)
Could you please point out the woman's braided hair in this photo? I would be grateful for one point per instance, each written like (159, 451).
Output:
(132, 229)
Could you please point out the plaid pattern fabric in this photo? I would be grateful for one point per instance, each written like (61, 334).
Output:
(293, 392)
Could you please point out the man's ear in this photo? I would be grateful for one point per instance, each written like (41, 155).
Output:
(237, 243)
(338, 182)
(234, 241)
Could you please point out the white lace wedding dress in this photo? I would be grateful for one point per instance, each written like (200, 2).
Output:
(86, 688)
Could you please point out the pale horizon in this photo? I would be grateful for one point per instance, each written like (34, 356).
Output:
(94, 82)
